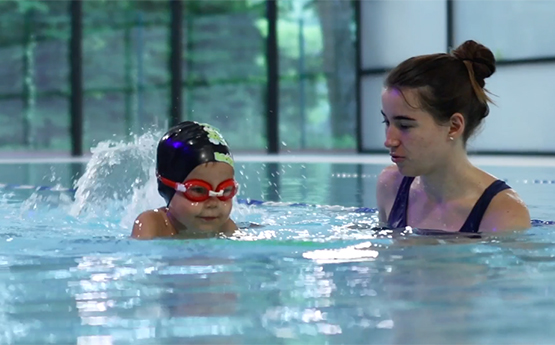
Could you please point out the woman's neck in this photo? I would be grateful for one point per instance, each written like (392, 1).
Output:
(448, 181)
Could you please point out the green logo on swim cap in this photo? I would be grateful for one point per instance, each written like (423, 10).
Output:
(214, 135)
(223, 157)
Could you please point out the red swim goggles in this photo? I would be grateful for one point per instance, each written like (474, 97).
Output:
(199, 190)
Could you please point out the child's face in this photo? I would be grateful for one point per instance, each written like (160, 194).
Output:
(209, 215)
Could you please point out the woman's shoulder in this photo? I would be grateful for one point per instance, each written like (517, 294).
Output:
(389, 180)
(506, 211)
(386, 189)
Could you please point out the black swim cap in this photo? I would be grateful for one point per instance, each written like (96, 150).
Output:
(183, 148)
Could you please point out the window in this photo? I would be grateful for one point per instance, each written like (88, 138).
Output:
(373, 130)
(511, 29)
(34, 111)
(125, 68)
(317, 68)
(392, 31)
(224, 69)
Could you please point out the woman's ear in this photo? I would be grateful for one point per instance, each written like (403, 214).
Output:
(456, 126)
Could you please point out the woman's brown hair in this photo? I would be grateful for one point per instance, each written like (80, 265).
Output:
(449, 83)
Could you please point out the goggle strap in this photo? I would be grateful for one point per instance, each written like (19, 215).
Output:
(180, 187)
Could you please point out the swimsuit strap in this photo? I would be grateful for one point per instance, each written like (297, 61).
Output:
(472, 223)
(398, 214)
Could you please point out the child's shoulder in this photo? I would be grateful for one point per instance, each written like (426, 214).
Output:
(150, 224)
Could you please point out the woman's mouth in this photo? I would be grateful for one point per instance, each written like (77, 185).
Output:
(397, 159)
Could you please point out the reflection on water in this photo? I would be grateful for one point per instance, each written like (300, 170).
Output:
(239, 292)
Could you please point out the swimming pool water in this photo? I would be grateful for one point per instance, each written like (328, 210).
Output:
(309, 275)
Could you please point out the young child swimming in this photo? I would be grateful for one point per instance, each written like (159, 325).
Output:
(195, 173)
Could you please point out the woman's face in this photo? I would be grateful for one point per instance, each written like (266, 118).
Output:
(416, 143)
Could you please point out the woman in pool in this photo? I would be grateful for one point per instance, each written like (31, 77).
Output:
(195, 175)
(431, 106)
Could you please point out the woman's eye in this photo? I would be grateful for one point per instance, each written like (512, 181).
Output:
(404, 125)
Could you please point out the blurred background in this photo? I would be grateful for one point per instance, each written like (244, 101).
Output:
(77, 73)
(274, 75)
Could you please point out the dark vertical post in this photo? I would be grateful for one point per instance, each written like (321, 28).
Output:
(189, 47)
(129, 84)
(360, 187)
(274, 182)
(272, 95)
(76, 77)
(358, 52)
(450, 25)
(140, 120)
(302, 112)
(29, 86)
(176, 52)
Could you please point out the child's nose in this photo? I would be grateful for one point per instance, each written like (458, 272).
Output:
(212, 202)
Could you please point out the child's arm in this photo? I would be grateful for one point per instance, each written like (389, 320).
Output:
(146, 225)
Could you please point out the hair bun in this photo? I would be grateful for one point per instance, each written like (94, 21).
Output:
(483, 60)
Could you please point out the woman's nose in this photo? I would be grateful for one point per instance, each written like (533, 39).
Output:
(391, 138)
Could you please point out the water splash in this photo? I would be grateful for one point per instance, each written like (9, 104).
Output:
(144, 197)
(116, 179)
